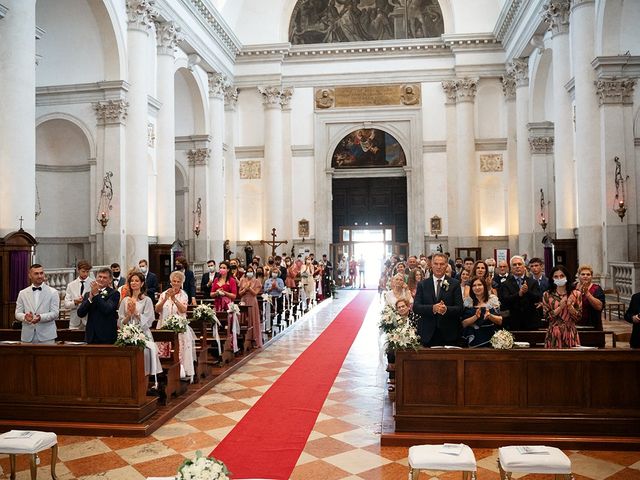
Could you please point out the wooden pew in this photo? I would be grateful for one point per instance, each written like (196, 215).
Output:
(588, 338)
(170, 385)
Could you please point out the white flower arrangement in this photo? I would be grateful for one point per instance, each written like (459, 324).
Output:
(388, 319)
(203, 468)
(233, 308)
(176, 323)
(131, 335)
(403, 337)
(206, 313)
(502, 340)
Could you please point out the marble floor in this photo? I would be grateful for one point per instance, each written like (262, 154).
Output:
(344, 444)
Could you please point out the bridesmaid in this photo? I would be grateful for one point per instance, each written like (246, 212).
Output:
(224, 289)
(248, 291)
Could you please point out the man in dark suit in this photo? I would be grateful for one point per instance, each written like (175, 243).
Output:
(117, 280)
(632, 316)
(501, 274)
(150, 280)
(207, 279)
(535, 265)
(520, 295)
(439, 303)
(100, 305)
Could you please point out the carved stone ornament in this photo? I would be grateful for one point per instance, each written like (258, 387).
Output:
(449, 87)
(141, 14)
(541, 145)
(285, 97)
(556, 14)
(271, 96)
(491, 163)
(509, 86)
(167, 37)
(466, 89)
(250, 169)
(325, 98)
(218, 83)
(111, 111)
(615, 91)
(151, 135)
(519, 69)
(231, 97)
(410, 94)
(198, 156)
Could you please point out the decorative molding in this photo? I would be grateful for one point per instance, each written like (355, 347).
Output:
(153, 105)
(519, 69)
(434, 147)
(617, 66)
(509, 86)
(217, 26)
(302, 151)
(449, 87)
(231, 97)
(285, 97)
(141, 14)
(111, 112)
(81, 93)
(491, 162)
(615, 91)
(476, 42)
(250, 169)
(3, 11)
(168, 35)
(490, 144)
(63, 168)
(541, 145)
(189, 142)
(250, 152)
(271, 96)
(556, 14)
(218, 84)
(506, 21)
(636, 142)
(151, 135)
(62, 240)
(466, 89)
(198, 156)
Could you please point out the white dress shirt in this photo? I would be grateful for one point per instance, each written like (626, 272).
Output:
(73, 292)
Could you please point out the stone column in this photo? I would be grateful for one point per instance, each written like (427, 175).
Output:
(167, 36)
(541, 143)
(556, 14)
(449, 87)
(111, 143)
(218, 210)
(199, 164)
(615, 96)
(18, 116)
(273, 195)
(140, 22)
(466, 165)
(286, 175)
(231, 164)
(520, 69)
(587, 147)
(512, 225)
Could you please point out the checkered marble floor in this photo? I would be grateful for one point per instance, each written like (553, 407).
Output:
(344, 444)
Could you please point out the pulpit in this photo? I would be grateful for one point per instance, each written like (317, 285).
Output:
(16, 254)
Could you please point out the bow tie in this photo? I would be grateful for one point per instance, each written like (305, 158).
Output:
(36, 288)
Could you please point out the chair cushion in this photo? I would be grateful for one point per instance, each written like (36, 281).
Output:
(554, 461)
(430, 457)
(19, 441)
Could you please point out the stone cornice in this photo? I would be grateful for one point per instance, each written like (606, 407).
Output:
(615, 91)
(3, 11)
(168, 34)
(618, 66)
(249, 152)
(434, 147)
(215, 23)
(141, 14)
(476, 42)
(490, 144)
(511, 11)
(63, 168)
(81, 93)
(302, 151)
(190, 142)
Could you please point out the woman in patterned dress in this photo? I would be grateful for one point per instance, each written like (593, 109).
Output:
(562, 307)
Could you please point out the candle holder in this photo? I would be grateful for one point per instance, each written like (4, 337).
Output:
(197, 219)
(618, 205)
(104, 204)
(543, 216)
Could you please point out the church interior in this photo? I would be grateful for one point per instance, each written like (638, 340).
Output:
(357, 129)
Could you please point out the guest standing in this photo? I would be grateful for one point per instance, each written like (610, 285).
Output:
(520, 294)
(481, 316)
(415, 277)
(150, 280)
(248, 290)
(632, 316)
(117, 280)
(562, 305)
(593, 299)
(399, 291)
(308, 282)
(100, 306)
(37, 308)
(75, 292)
(207, 279)
(224, 289)
(189, 279)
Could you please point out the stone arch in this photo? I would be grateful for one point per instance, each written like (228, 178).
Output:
(190, 104)
(368, 147)
(616, 27)
(541, 87)
(77, 122)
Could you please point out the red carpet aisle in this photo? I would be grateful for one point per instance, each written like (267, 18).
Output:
(268, 440)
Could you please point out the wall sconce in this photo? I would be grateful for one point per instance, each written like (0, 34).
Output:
(543, 216)
(104, 204)
(197, 220)
(618, 204)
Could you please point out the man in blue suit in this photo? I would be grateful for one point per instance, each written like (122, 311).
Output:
(101, 305)
(439, 303)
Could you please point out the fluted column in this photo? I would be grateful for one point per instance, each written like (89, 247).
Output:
(556, 14)
(466, 153)
(273, 195)
(449, 87)
(218, 212)
(520, 69)
(615, 96)
(512, 226)
(17, 116)
(140, 23)
(587, 145)
(167, 37)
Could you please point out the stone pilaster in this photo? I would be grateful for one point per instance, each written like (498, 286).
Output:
(218, 83)
(509, 91)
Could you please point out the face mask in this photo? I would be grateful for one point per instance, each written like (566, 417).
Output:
(458, 265)
(492, 269)
(249, 274)
(274, 275)
(260, 273)
(116, 274)
(143, 270)
(560, 282)
(179, 266)
(212, 269)
(233, 267)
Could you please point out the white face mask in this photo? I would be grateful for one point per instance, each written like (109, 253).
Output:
(212, 269)
(491, 269)
(249, 274)
(274, 275)
(560, 282)
(143, 270)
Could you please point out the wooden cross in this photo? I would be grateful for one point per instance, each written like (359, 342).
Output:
(273, 242)
(21, 220)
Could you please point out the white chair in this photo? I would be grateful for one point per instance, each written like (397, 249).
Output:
(433, 457)
(550, 460)
(16, 442)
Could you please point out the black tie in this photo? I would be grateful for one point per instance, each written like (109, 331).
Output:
(438, 288)
(36, 288)
(81, 287)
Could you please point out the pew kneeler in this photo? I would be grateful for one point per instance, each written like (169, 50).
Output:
(11, 444)
(431, 457)
(552, 461)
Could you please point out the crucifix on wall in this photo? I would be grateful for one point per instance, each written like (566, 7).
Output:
(273, 242)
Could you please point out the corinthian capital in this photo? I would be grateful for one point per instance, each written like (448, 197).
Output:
(449, 87)
(167, 37)
(519, 69)
(271, 96)
(541, 145)
(285, 97)
(198, 156)
(111, 112)
(218, 83)
(509, 86)
(141, 14)
(556, 14)
(617, 91)
(466, 89)
(230, 97)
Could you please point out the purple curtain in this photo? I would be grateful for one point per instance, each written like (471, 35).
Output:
(548, 260)
(19, 273)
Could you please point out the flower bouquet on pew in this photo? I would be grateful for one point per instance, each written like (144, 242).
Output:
(206, 313)
(203, 468)
(176, 323)
(131, 335)
(502, 340)
(403, 337)
(388, 319)
(233, 308)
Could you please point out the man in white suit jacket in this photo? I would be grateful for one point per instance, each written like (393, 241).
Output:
(37, 308)
(75, 291)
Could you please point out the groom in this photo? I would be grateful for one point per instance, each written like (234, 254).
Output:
(439, 303)
(100, 305)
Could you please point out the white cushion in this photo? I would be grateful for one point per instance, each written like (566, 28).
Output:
(13, 443)
(430, 457)
(554, 461)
